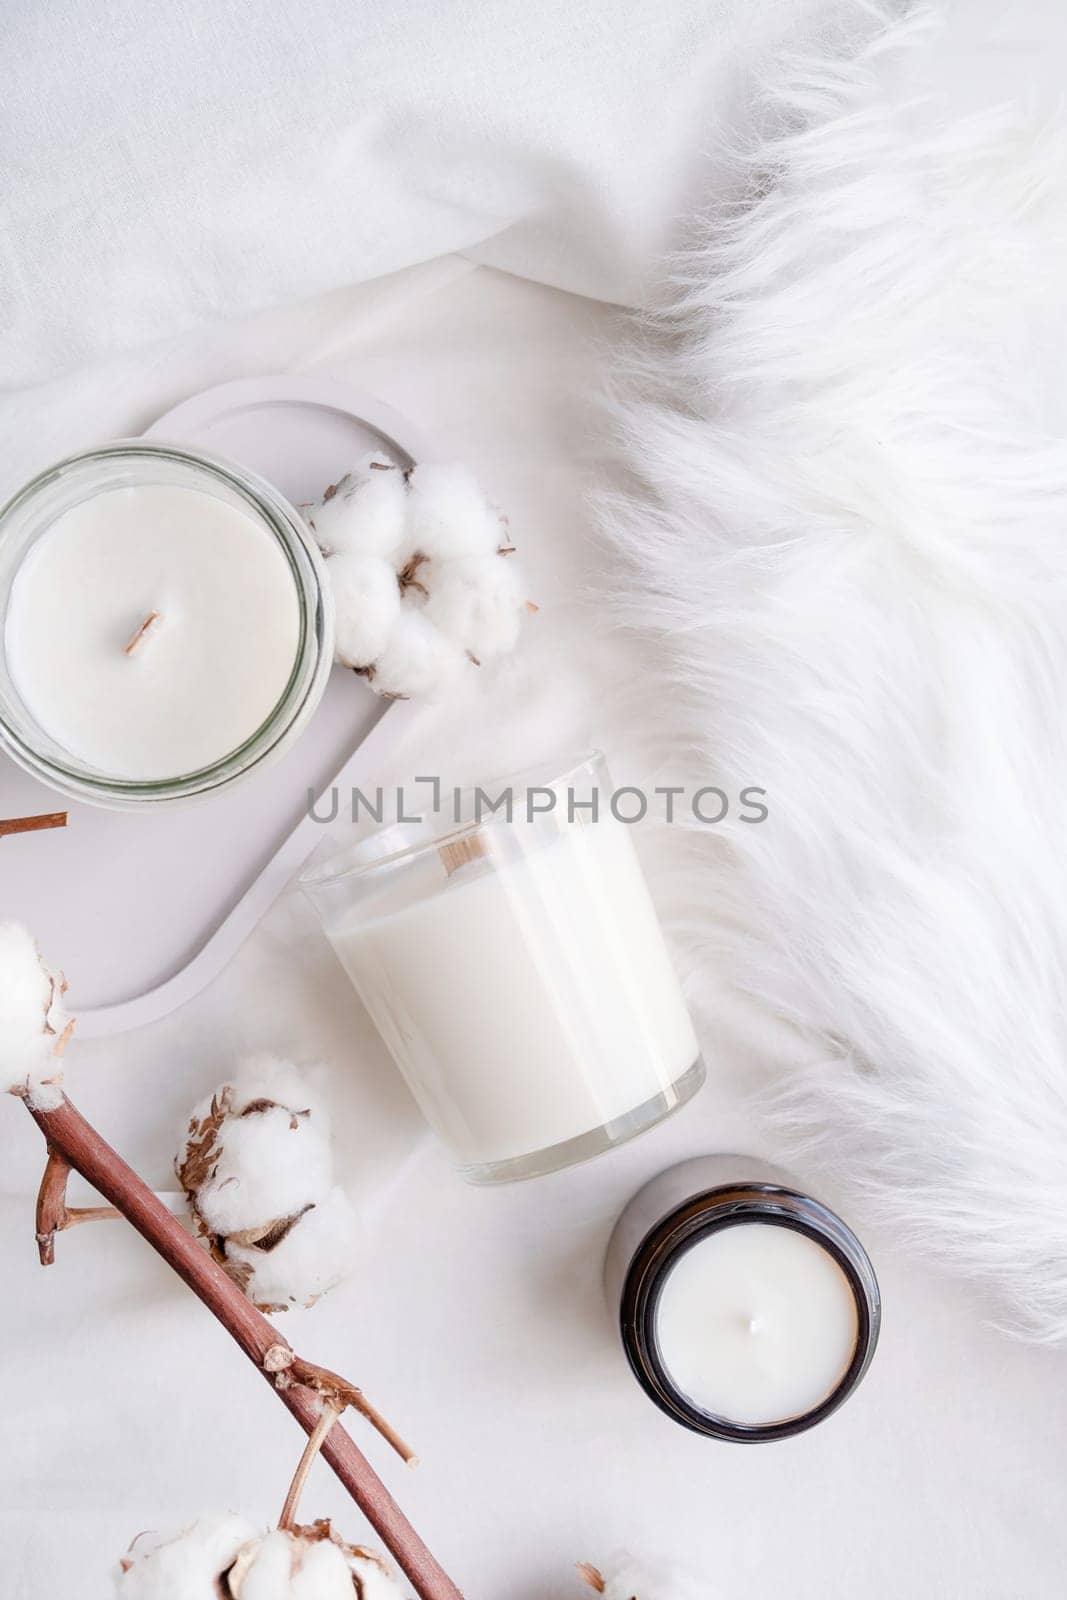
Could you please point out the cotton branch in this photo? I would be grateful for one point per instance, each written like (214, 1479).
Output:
(53, 1213)
(47, 819)
(338, 1390)
(316, 1439)
(73, 1144)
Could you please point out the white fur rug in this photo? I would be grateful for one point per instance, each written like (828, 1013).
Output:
(848, 543)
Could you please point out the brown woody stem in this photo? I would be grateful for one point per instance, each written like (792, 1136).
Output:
(339, 1391)
(47, 819)
(75, 1145)
(330, 1414)
(51, 1205)
(53, 1213)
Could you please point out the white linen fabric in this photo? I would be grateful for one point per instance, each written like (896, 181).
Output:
(475, 1319)
(168, 165)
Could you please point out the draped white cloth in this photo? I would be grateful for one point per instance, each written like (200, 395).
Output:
(170, 165)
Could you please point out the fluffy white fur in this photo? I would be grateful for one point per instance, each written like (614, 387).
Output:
(848, 548)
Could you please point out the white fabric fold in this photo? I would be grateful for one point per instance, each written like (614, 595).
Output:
(169, 166)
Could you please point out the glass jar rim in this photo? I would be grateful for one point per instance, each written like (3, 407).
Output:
(311, 663)
(390, 845)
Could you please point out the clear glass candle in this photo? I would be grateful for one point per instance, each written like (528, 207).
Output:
(165, 625)
(517, 971)
(748, 1310)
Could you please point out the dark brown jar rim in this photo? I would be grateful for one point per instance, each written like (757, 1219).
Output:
(709, 1212)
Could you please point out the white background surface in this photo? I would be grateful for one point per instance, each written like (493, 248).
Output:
(475, 1318)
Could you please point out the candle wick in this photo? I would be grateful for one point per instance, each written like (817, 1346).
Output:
(147, 626)
(457, 854)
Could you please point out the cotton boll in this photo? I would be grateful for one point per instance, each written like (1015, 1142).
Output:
(324, 1574)
(257, 1165)
(25, 989)
(326, 517)
(187, 1565)
(381, 523)
(268, 1155)
(627, 1579)
(267, 1076)
(375, 1582)
(264, 1570)
(477, 602)
(32, 1019)
(366, 598)
(365, 514)
(449, 514)
(418, 660)
(419, 586)
(309, 1563)
(364, 1570)
(271, 1164)
(311, 1259)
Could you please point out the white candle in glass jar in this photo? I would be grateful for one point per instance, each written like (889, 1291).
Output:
(208, 672)
(528, 997)
(756, 1323)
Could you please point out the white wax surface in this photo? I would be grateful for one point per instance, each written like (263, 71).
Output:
(756, 1323)
(209, 673)
(529, 1001)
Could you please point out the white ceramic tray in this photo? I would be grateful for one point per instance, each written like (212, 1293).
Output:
(143, 911)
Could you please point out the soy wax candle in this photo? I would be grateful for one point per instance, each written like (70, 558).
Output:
(517, 971)
(748, 1310)
(165, 624)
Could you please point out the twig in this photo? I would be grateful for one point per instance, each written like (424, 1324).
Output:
(53, 1213)
(330, 1414)
(47, 819)
(339, 1390)
(74, 1142)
